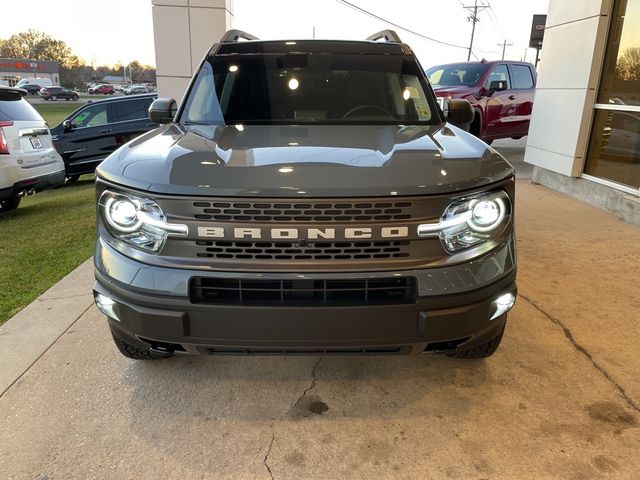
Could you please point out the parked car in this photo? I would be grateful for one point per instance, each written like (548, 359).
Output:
(500, 92)
(93, 131)
(136, 89)
(28, 161)
(31, 88)
(342, 213)
(105, 89)
(54, 93)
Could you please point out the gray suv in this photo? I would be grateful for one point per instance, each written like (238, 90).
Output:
(306, 197)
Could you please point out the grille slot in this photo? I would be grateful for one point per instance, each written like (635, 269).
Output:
(302, 212)
(307, 351)
(243, 250)
(261, 292)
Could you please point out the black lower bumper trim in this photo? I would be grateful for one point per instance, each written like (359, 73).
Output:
(40, 183)
(429, 324)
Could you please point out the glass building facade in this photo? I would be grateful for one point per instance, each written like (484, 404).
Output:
(614, 145)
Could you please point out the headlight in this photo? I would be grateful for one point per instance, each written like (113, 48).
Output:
(137, 221)
(471, 221)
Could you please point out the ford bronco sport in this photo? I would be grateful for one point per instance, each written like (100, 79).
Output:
(306, 197)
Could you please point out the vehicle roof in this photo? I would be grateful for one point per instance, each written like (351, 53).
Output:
(12, 90)
(311, 46)
(122, 98)
(484, 62)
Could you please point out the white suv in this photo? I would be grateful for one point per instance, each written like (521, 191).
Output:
(136, 89)
(28, 160)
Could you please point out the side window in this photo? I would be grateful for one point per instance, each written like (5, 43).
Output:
(130, 110)
(435, 76)
(91, 117)
(500, 73)
(522, 77)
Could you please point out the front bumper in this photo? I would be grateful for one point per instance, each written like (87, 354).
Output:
(452, 310)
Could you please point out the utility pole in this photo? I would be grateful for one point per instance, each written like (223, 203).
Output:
(504, 46)
(473, 18)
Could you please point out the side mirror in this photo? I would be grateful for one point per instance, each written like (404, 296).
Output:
(459, 112)
(163, 110)
(67, 125)
(497, 86)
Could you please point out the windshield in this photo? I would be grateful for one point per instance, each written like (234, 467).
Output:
(310, 88)
(467, 74)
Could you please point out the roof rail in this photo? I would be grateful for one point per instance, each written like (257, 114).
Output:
(231, 36)
(387, 35)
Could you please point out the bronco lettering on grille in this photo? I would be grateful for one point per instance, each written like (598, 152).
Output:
(350, 233)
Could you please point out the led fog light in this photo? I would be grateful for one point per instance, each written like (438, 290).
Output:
(502, 304)
(106, 306)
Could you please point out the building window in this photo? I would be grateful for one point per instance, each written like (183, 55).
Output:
(614, 147)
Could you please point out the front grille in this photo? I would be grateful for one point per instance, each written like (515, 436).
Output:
(244, 250)
(302, 212)
(301, 292)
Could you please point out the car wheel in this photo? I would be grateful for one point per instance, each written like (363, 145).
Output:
(481, 351)
(54, 97)
(10, 203)
(136, 352)
(75, 98)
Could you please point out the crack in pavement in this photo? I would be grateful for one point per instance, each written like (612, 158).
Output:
(314, 380)
(44, 299)
(581, 349)
(266, 457)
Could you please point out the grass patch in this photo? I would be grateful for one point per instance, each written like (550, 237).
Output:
(55, 112)
(49, 235)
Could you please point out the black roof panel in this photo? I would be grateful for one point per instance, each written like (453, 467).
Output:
(311, 46)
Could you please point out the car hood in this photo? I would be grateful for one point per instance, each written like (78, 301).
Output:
(305, 161)
(442, 90)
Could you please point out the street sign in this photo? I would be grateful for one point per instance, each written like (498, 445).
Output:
(537, 31)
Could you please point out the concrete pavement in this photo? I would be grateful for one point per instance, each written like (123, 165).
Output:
(560, 398)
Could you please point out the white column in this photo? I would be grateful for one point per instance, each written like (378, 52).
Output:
(183, 31)
(570, 67)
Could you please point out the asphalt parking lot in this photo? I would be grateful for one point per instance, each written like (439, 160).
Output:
(560, 398)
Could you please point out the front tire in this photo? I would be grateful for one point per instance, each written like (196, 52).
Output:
(54, 97)
(135, 352)
(481, 351)
(9, 204)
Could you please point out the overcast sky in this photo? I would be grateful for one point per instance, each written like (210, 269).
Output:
(122, 30)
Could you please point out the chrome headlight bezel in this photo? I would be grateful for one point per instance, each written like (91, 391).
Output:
(459, 228)
(148, 231)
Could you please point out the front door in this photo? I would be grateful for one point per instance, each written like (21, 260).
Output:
(500, 107)
(89, 140)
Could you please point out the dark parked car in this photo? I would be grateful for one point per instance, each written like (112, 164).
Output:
(95, 130)
(32, 88)
(501, 94)
(306, 197)
(55, 93)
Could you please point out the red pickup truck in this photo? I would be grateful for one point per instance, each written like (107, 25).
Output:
(500, 92)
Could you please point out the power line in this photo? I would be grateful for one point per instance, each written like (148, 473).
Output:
(413, 32)
(494, 19)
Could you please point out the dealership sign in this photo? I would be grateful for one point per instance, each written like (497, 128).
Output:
(537, 31)
(21, 65)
